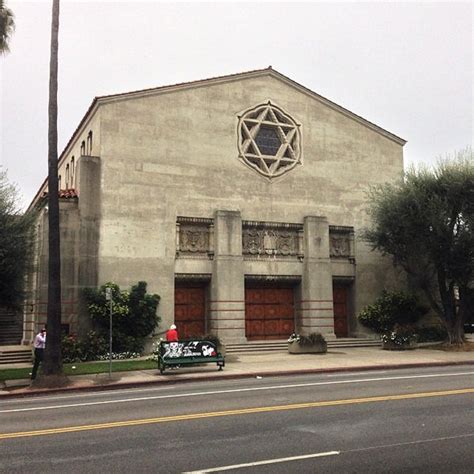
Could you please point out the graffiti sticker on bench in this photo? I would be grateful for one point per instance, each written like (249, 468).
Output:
(182, 353)
(188, 349)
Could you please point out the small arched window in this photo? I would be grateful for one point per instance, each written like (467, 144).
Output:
(83, 148)
(72, 172)
(59, 182)
(67, 176)
(89, 143)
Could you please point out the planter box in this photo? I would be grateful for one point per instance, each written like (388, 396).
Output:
(391, 346)
(295, 348)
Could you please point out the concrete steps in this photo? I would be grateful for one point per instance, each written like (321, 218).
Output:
(15, 355)
(282, 346)
(11, 330)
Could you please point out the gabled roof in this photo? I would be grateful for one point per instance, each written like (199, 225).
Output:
(233, 77)
(217, 80)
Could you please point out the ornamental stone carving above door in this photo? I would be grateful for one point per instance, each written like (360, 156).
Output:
(194, 237)
(265, 239)
(269, 140)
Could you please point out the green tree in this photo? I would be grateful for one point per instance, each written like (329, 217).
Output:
(16, 243)
(425, 222)
(52, 367)
(7, 26)
(134, 314)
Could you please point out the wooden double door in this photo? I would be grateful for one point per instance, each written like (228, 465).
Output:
(341, 309)
(269, 313)
(190, 311)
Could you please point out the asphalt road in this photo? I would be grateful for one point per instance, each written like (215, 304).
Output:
(386, 421)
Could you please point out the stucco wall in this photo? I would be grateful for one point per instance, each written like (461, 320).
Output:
(175, 153)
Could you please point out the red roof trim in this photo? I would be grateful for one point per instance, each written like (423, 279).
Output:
(64, 194)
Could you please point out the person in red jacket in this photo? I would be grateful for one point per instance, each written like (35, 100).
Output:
(172, 334)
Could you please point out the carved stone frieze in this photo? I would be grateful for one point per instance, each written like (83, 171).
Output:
(194, 237)
(341, 240)
(340, 246)
(260, 239)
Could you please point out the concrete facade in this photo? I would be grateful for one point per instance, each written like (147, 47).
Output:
(163, 193)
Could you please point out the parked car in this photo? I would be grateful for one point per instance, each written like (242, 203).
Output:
(469, 327)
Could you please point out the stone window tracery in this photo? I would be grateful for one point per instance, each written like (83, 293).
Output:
(269, 140)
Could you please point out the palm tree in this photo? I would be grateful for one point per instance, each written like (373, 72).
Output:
(53, 369)
(7, 26)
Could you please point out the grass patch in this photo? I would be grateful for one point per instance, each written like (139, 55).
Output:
(83, 368)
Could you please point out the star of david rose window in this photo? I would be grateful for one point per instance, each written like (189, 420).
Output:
(269, 140)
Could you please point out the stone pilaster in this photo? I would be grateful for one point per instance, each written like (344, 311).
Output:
(316, 310)
(90, 211)
(227, 305)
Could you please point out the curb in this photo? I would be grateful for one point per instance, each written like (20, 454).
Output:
(205, 377)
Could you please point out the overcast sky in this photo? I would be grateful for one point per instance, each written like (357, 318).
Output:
(406, 66)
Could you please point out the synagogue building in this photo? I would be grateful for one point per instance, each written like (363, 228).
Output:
(239, 200)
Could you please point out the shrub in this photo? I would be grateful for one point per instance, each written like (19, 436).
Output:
(70, 349)
(389, 309)
(91, 347)
(134, 315)
(432, 333)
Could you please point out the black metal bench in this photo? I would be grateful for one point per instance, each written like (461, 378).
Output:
(181, 353)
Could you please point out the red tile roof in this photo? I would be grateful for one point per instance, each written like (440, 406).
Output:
(64, 194)
(68, 193)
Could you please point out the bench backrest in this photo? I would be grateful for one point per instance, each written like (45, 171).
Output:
(183, 349)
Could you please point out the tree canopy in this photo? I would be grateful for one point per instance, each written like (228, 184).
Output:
(16, 243)
(425, 222)
(134, 314)
(7, 26)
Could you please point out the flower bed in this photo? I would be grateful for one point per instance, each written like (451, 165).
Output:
(312, 344)
(400, 339)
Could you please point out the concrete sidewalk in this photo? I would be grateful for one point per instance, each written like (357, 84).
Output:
(256, 365)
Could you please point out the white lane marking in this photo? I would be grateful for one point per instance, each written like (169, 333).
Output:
(85, 395)
(350, 374)
(329, 453)
(236, 390)
(33, 464)
(262, 463)
(161, 388)
(407, 443)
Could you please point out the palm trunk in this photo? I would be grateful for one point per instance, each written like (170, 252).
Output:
(53, 360)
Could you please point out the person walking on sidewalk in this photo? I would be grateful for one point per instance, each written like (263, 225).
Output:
(39, 345)
(172, 334)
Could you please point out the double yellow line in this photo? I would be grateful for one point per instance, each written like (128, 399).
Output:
(243, 411)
